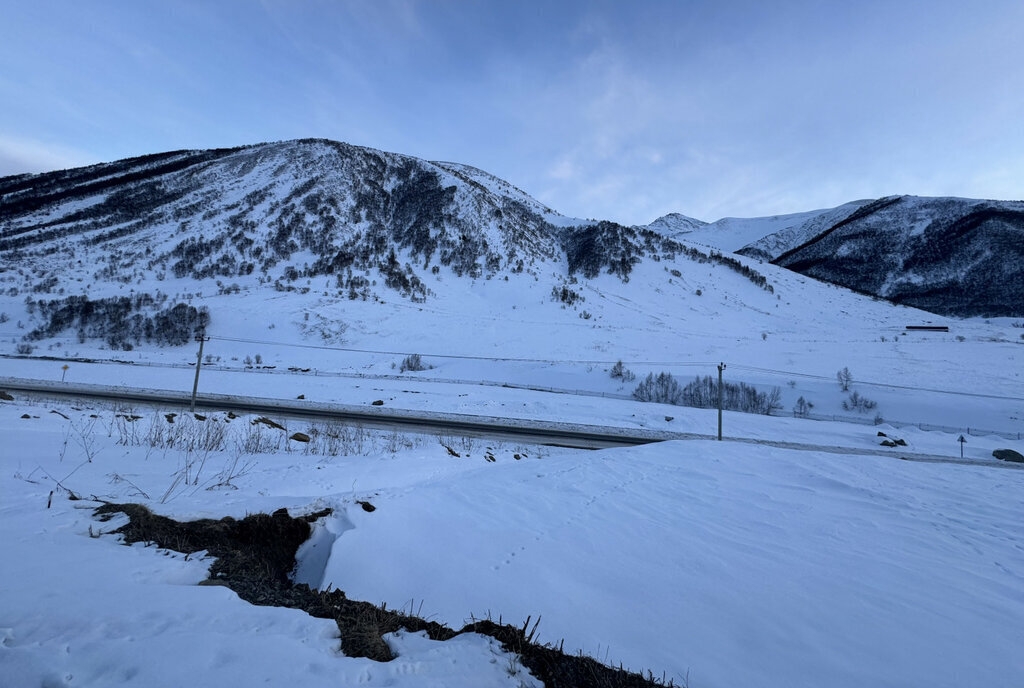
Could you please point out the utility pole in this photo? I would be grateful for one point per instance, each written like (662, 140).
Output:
(721, 367)
(201, 338)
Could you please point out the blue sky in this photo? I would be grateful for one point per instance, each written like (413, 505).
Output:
(612, 110)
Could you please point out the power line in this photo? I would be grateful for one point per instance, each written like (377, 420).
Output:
(887, 385)
(674, 364)
(503, 359)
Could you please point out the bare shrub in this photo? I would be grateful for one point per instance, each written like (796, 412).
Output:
(660, 389)
(845, 378)
(802, 408)
(336, 439)
(413, 363)
(859, 404)
(258, 439)
(621, 372)
(703, 393)
(233, 469)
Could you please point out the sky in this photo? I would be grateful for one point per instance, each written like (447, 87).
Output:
(623, 111)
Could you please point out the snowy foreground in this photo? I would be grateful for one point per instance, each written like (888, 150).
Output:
(719, 564)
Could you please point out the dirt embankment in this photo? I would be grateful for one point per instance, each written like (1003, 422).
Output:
(256, 555)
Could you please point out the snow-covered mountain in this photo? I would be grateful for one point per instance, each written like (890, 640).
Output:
(131, 252)
(787, 231)
(280, 210)
(119, 250)
(676, 225)
(734, 233)
(952, 256)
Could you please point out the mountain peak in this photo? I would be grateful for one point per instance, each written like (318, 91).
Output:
(675, 224)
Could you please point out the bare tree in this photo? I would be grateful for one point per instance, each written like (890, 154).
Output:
(621, 372)
(845, 378)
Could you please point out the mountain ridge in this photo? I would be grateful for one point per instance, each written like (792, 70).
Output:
(952, 256)
(359, 222)
(947, 255)
(290, 211)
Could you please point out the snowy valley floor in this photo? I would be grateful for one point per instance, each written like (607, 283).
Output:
(719, 564)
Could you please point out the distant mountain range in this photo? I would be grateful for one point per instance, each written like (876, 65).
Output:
(280, 214)
(951, 256)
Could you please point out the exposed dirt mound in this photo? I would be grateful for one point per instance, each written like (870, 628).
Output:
(255, 555)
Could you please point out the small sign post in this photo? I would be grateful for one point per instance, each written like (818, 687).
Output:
(962, 440)
(65, 369)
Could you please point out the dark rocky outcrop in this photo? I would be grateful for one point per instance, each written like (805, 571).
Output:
(1008, 455)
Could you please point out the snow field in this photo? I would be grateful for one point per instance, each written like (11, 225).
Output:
(77, 608)
(728, 563)
(795, 339)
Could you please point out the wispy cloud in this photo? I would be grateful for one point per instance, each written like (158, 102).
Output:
(623, 111)
(19, 155)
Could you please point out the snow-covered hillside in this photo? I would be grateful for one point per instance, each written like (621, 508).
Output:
(676, 226)
(947, 255)
(783, 234)
(588, 295)
(734, 233)
(273, 211)
(952, 256)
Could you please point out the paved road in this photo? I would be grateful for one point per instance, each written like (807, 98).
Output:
(572, 435)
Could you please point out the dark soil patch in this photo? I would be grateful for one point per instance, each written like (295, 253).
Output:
(255, 555)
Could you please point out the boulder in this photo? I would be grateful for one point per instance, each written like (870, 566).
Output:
(1008, 455)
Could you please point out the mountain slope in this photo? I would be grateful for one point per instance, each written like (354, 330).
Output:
(950, 256)
(233, 212)
(143, 253)
(676, 225)
(275, 217)
(734, 233)
(946, 255)
(799, 230)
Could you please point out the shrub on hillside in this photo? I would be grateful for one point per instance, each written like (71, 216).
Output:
(414, 363)
(120, 320)
(702, 392)
(661, 389)
(621, 372)
(844, 377)
(858, 403)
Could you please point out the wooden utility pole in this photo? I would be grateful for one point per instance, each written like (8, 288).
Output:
(201, 338)
(721, 367)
